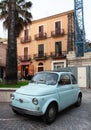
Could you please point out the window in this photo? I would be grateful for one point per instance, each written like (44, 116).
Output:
(46, 78)
(41, 30)
(58, 48)
(58, 65)
(25, 53)
(40, 67)
(74, 81)
(65, 79)
(41, 50)
(57, 27)
(26, 34)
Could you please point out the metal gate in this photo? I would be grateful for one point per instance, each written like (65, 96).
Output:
(83, 75)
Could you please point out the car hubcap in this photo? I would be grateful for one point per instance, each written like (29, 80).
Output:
(51, 113)
(79, 100)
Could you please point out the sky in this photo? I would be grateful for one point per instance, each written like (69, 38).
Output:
(44, 8)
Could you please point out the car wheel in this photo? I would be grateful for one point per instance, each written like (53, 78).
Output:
(79, 100)
(50, 114)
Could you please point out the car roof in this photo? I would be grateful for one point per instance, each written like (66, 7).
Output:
(56, 71)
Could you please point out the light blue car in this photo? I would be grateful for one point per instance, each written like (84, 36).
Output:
(47, 93)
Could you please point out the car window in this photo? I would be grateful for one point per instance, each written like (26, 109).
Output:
(64, 79)
(74, 81)
(45, 78)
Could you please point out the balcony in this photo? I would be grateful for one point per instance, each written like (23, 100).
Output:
(26, 39)
(41, 36)
(57, 33)
(61, 55)
(40, 56)
(25, 58)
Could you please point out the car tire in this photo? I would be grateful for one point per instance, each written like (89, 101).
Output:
(79, 100)
(50, 114)
(16, 112)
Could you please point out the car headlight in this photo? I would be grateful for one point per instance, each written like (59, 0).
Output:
(12, 96)
(35, 101)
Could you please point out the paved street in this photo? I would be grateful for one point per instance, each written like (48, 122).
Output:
(70, 119)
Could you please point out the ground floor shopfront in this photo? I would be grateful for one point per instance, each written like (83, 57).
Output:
(28, 69)
(2, 72)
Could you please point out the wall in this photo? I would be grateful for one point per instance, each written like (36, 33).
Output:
(5, 94)
(83, 75)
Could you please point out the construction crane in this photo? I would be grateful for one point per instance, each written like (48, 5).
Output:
(76, 31)
(79, 28)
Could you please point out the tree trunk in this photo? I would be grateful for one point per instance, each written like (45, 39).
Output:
(11, 58)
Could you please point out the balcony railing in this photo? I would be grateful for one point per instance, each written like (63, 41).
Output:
(26, 39)
(25, 58)
(40, 36)
(60, 55)
(40, 56)
(57, 33)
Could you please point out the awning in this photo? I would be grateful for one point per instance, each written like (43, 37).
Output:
(25, 63)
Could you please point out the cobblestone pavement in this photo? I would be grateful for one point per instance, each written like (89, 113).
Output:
(70, 119)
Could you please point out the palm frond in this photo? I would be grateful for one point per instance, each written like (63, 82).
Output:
(23, 14)
(5, 24)
(27, 5)
(20, 1)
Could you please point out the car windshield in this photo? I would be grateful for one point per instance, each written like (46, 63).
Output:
(45, 78)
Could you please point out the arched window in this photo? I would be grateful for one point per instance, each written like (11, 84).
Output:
(40, 64)
(40, 67)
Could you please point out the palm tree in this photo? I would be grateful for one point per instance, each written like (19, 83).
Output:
(15, 15)
(11, 58)
(23, 16)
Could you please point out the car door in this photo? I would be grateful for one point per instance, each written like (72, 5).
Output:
(75, 88)
(65, 91)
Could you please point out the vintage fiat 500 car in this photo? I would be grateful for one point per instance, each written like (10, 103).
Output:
(47, 93)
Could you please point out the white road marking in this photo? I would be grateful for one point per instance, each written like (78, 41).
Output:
(10, 119)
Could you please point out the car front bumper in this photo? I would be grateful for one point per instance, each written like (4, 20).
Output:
(25, 111)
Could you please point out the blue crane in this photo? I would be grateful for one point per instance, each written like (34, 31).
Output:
(79, 30)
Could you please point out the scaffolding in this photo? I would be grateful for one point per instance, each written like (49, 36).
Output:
(70, 32)
(79, 28)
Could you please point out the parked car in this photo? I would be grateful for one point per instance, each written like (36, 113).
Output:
(47, 93)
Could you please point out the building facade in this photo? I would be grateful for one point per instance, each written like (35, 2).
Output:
(46, 44)
(43, 45)
(3, 49)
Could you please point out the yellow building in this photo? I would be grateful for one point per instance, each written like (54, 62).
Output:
(43, 44)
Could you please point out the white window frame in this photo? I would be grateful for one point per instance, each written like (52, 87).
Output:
(53, 62)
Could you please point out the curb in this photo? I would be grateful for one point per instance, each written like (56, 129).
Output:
(5, 94)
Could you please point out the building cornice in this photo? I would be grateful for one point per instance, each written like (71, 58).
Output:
(53, 16)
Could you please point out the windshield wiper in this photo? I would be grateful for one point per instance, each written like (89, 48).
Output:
(42, 81)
